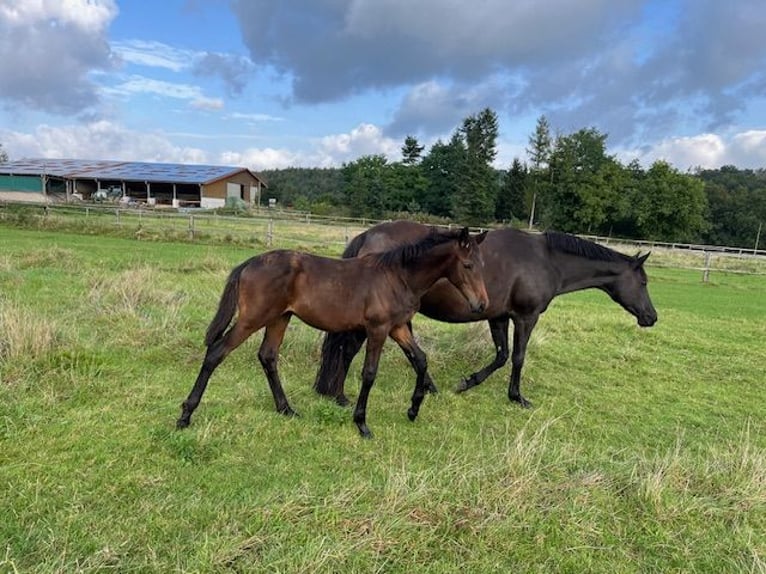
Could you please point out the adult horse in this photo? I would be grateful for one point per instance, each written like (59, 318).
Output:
(523, 273)
(377, 294)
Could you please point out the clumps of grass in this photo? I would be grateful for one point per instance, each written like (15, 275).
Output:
(131, 290)
(50, 257)
(24, 334)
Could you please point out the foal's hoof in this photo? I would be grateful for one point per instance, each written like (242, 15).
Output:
(288, 412)
(412, 414)
(182, 423)
(431, 388)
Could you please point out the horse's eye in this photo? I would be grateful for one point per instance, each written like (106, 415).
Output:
(468, 264)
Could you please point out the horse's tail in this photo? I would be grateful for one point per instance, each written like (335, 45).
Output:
(335, 361)
(226, 307)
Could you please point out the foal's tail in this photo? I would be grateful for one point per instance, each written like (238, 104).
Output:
(227, 306)
(334, 366)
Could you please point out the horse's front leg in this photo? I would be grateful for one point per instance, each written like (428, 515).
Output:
(403, 337)
(499, 330)
(522, 329)
(375, 340)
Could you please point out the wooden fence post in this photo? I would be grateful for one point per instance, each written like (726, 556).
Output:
(706, 271)
(270, 233)
(191, 226)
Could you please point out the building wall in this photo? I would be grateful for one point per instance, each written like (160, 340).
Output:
(217, 189)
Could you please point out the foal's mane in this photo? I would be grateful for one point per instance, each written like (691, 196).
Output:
(409, 253)
(567, 243)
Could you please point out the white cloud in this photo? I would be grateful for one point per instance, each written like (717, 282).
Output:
(365, 139)
(264, 158)
(709, 151)
(153, 54)
(96, 140)
(49, 48)
(91, 16)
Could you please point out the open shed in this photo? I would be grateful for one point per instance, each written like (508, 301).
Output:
(177, 185)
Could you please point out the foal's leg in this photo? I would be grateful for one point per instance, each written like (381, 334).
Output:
(522, 329)
(499, 330)
(403, 336)
(215, 354)
(375, 342)
(430, 386)
(268, 355)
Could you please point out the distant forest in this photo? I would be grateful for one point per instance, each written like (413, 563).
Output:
(567, 182)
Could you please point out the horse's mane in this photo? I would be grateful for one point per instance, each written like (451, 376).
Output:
(409, 253)
(567, 243)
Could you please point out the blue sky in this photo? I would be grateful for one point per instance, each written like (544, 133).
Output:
(270, 84)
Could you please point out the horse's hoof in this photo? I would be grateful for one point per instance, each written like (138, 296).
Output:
(342, 400)
(523, 403)
(288, 412)
(432, 389)
(182, 423)
(462, 386)
(412, 414)
(364, 431)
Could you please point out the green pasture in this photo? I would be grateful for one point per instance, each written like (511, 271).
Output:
(645, 452)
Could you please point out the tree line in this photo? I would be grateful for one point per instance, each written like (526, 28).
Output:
(569, 182)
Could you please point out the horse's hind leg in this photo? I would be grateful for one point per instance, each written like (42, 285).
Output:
(499, 330)
(268, 355)
(215, 354)
(522, 329)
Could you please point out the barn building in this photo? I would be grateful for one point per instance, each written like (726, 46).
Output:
(176, 185)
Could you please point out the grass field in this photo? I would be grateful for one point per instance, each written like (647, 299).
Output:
(645, 452)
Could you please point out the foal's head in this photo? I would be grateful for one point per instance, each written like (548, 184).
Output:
(466, 271)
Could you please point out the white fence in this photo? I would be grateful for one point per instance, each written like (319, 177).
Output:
(277, 228)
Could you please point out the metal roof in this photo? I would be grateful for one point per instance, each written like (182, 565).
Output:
(122, 170)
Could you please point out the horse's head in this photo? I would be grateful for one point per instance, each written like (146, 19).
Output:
(629, 290)
(467, 272)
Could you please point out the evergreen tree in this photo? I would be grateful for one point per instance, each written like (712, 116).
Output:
(411, 151)
(539, 152)
(511, 200)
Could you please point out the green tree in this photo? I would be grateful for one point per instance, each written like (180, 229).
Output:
(3, 154)
(411, 151)
(583, 183)
(539, 152)
(511, 200)
(670, 205)
(737, 206)
(474, 200)
(443, 169)
(365, 186)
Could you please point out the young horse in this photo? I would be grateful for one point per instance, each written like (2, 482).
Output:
(523, 273)
(377, 295)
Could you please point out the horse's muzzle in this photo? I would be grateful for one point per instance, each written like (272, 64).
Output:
(647, 319)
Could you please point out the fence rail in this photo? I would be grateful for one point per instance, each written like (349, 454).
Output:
(276, 228)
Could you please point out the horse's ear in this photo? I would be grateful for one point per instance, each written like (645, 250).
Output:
(464, 238)
(481, 236)
(641, 259)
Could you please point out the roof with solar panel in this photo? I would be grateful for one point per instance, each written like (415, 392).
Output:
(122, 170)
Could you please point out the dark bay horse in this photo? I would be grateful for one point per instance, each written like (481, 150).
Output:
(376, 295)
(523, 272)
